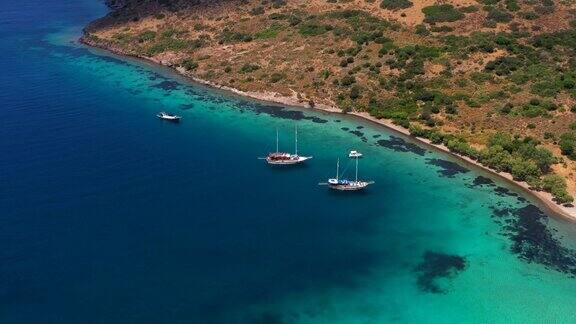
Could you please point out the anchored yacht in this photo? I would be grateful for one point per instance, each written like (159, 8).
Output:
(354, 155)
(345, 184)
(284, 158)
(170, 117)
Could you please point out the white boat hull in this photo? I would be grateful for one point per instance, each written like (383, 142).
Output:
(174, 119)
(352, 186)
(168, 117)
(295, 160)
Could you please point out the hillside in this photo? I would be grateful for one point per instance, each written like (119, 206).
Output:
(494, 80)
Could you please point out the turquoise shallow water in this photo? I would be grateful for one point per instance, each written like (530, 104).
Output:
(112, 216)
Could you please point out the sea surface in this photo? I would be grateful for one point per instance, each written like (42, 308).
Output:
(109, 215)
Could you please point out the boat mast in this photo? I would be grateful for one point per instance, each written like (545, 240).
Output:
(356, 170)
(276, 139)
(337, 168)
(296, 140)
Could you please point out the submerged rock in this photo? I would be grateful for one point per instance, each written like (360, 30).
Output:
(449, 168)
(399, 145)
(482, 181)
(357, 133)
(533, 241)
(505, 192)
(435, 266)
(167, 85)
(284, 113)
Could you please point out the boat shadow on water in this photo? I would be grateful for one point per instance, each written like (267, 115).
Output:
(348, 193)
(175, 123)
(287, 168)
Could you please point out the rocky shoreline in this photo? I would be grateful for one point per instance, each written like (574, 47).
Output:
(546, 199)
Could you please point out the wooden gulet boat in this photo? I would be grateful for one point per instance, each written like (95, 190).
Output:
(284, 158)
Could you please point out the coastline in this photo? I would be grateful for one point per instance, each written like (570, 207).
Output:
(544, 200)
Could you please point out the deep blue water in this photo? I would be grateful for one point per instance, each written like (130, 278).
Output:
(108, 215)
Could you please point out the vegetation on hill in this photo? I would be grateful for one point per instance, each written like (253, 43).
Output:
(461, 73)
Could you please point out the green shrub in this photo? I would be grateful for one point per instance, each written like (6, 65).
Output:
(347, 80)
(312, 29)
(503, 65)
(395, 4)
(294, 20)
(275, 77)
(523, 169)
(489, 2)
(544, 10)
(530, 15)
(278, 16)
(507, 108)
(535, 108)
(451, 109)
(472, 103)
(441, 29)
(556, 185)
(168, 44)
(469, 9)
(278, 3)
(122, 37)
(386, 48)
(229, 36)
(189, 64)
(498, 15)
(546, 88)
(362, 22)
(257, 11)
(171, 32)
(479, 77)
(421, 30)
(146, 36)
(355, 92)
(441, 13)
(566, 80)
(567, 145)
(248, 68)
(392, 108)
(512, 5)
(270, 32)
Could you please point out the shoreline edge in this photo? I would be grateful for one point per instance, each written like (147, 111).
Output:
(545, 199)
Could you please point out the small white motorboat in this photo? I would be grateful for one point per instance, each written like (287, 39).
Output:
(169, 117)
(354, 155)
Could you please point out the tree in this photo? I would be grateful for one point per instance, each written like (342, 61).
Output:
(567, 143)
(189, 64)
(544, 159)
(556, 185)
(522, 169)
(347, 80)
(355, 92)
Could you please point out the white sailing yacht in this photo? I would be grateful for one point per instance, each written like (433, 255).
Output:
(344, 184)
(284, 158)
